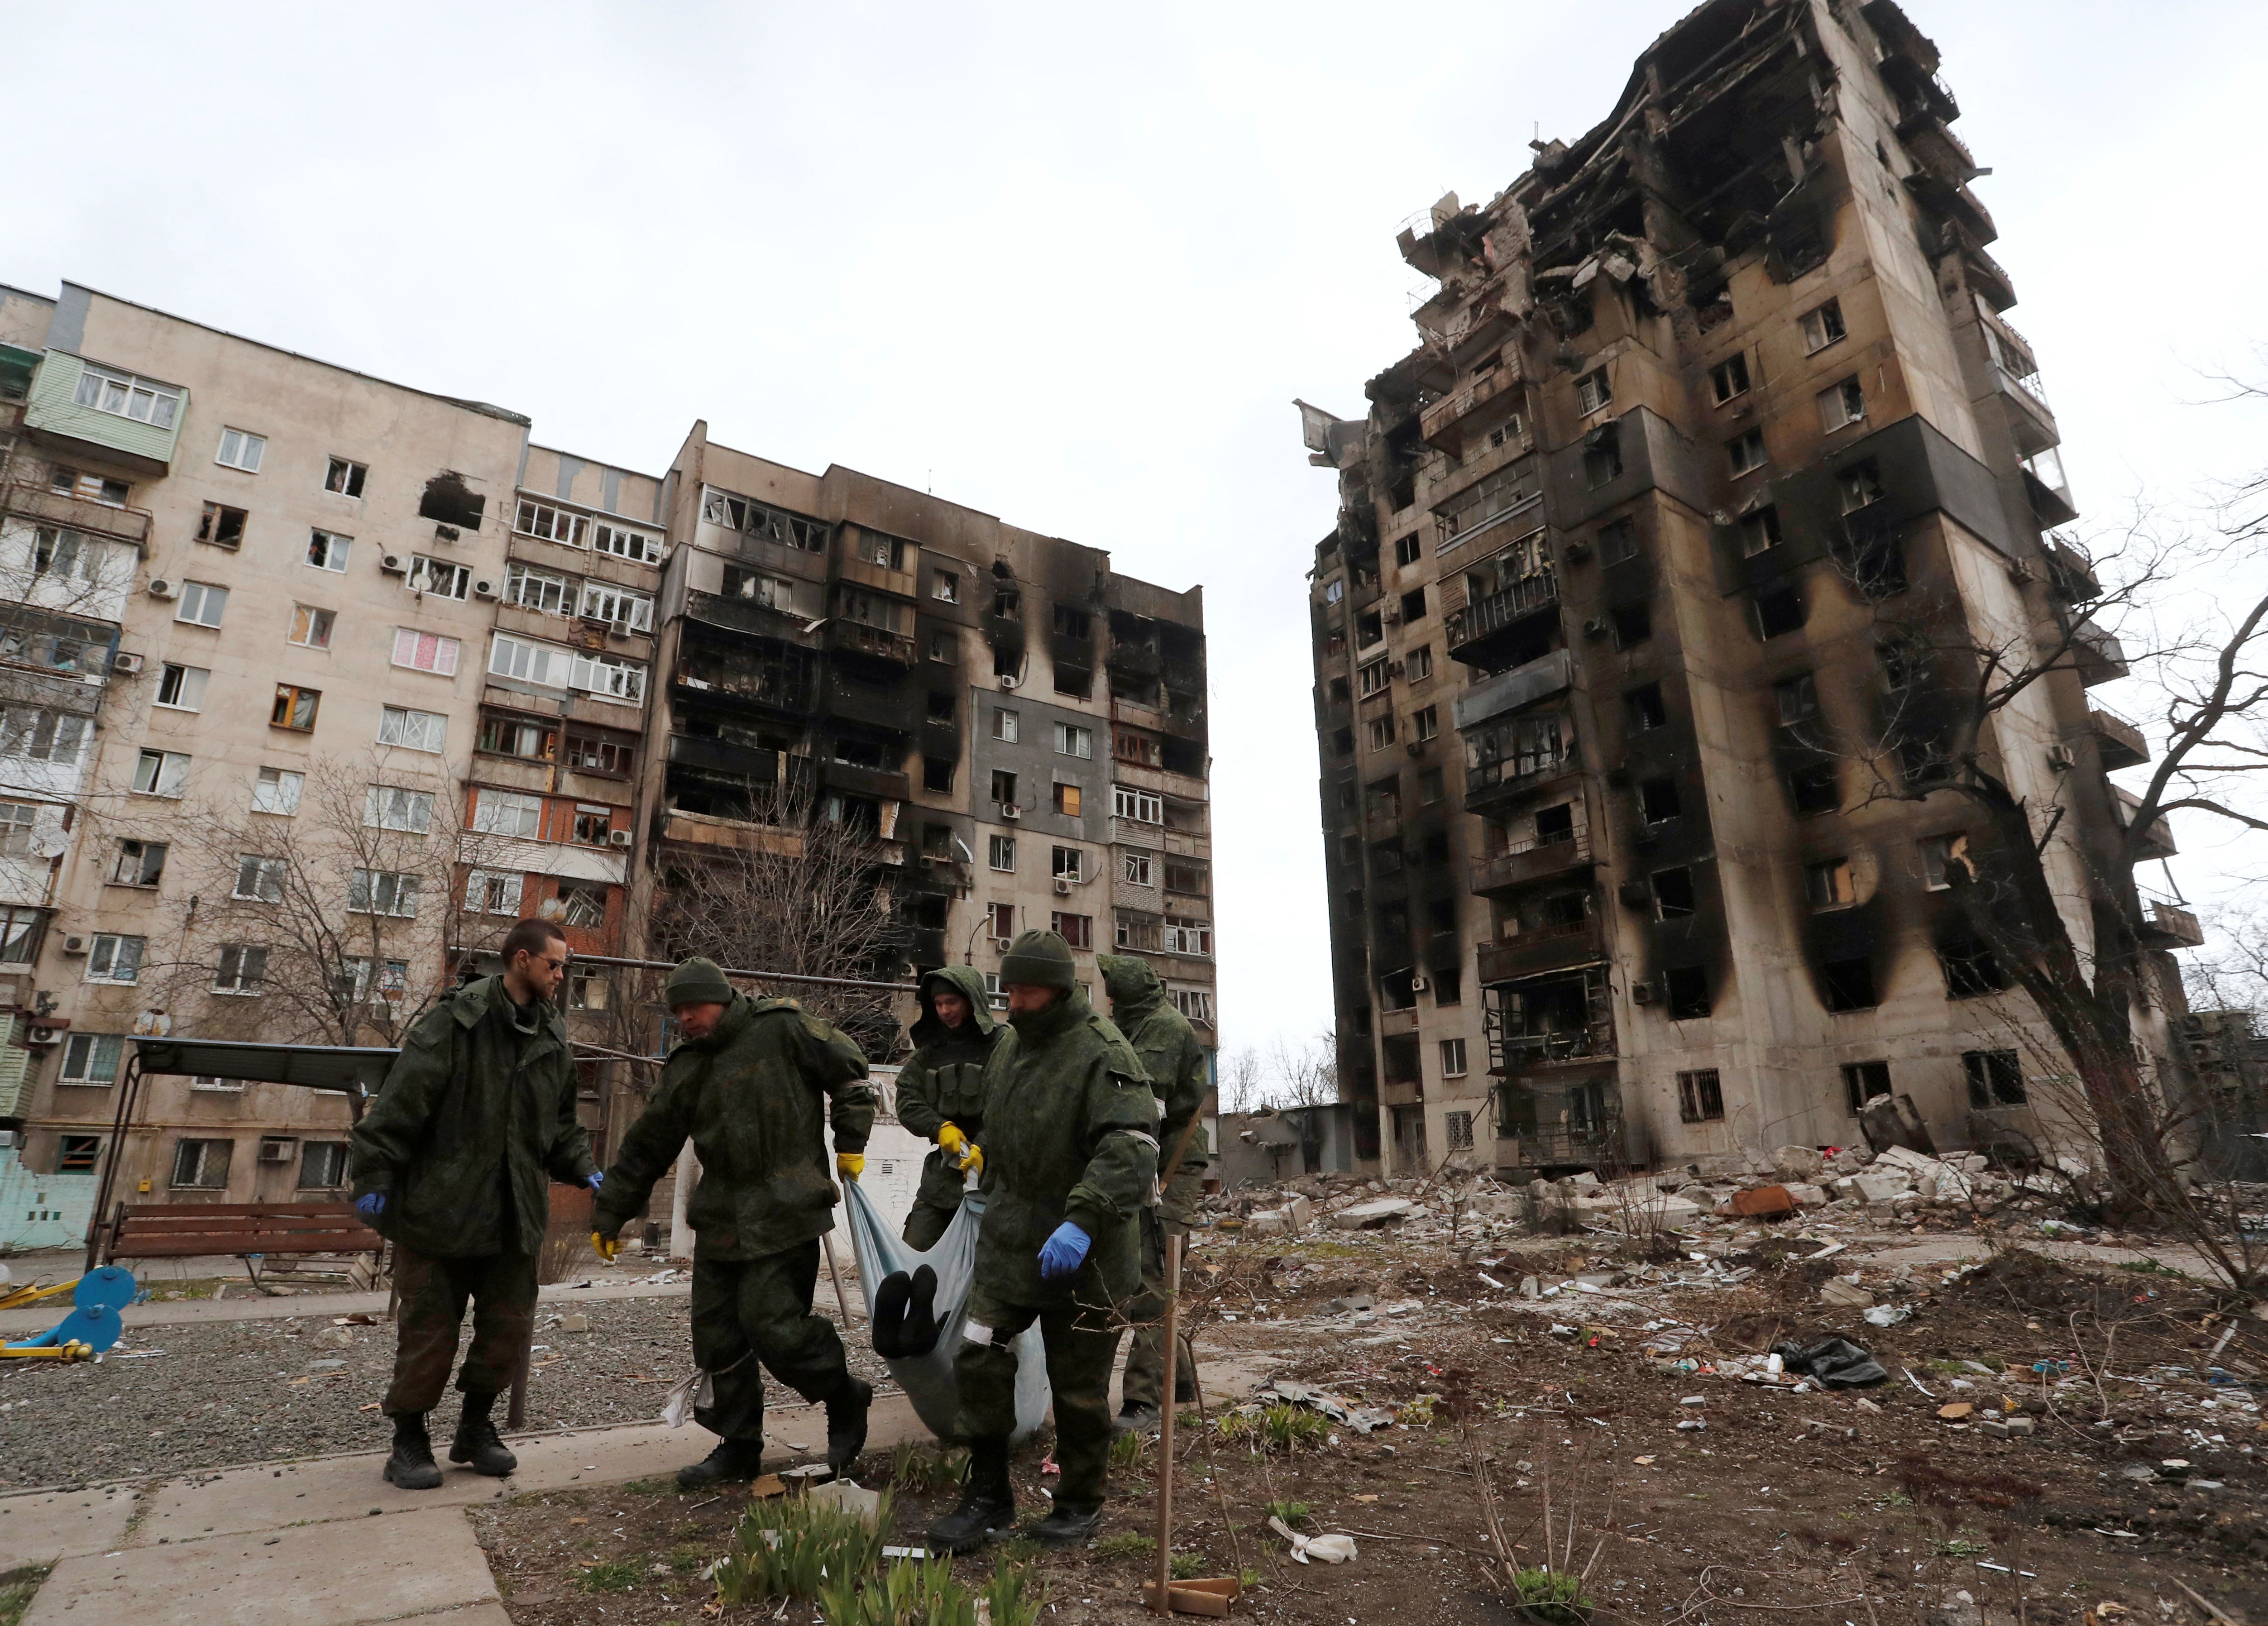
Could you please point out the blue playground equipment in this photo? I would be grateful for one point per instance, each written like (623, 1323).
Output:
(92, 1326)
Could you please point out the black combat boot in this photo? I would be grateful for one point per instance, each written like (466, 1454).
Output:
(988, 1502)
(411, 1465)
(1136, 1417)
(846, 1423)
(477, 1441)
(734, 1462)
(1069, 1524)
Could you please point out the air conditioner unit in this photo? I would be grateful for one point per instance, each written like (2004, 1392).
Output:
(276, 1150)
(1002, 945)
(1415, 748)
(619, 838)
(160, 588)
(1007, 682)
(1063, 885)
(44, 1036)
(125, 665)
(485, 589)
(446, 533)
(1418, 985)
(1595, 628)
(1577, 551)
(392, 564)
(2060, 759)
(74, 945)
(1642, 993)
(2021, 573)
(1008, 810)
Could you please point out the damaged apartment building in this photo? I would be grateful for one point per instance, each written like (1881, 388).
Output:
(1701, 403)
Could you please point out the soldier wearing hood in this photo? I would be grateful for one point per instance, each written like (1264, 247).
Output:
(941, 1094)
(1175, 1062)
(1071, 1157)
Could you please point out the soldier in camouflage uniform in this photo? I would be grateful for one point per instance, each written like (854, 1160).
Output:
(1175, 1062)
(1071, 1155)
(453, 1164)
(747, 1085)
(941, 1094)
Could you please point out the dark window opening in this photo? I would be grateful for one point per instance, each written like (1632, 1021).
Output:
(940, 705)
(1073, 623)
(221, 527)
(1657, 800)
(1996, 1078)
(1342, 742)
(1413, 605)
(1850, 984)
(1778, 612)
(1407, 549)
(1369, 628)
(1760, 531)
(1077, 681)
(1970, 968)
(1796, 699)
(1449, 987)
(1729, 378)
(1688, 988)
(1602, 464)
(1700, 1096)
(1617, 542)
(1645, 708)
(1633, 623)
(937, 775)
(1672, 894)
(1443, 913)
(1814, 790)
(448, 500)
(1862, 1081)
(1554, 825)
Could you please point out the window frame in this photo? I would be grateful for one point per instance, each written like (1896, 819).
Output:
(163, 772)
(178, 677)
(1701, 1095)
(423, 720)
(247, 977)
(344, 477)
(316, 622)
(201, 596)
(297, 787)
(116, 940)
(244, 442)
(93, 1050)
(291, 701)
(328, 550)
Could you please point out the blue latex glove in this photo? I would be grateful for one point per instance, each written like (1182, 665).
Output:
(596, 1181)
(1063, 1252)
(371, 1205)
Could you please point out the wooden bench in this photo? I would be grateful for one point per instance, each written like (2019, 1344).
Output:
(247, 1230)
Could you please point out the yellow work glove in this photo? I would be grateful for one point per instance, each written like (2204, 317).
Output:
(966, 1154)
(605, 1246)
(850, 1165)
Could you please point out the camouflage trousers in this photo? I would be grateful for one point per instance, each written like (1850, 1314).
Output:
(434, 1292)
(1145, 1360)
(1079, 1332)
(750, 1314)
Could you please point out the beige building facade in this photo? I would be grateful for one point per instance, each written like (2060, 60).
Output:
(1707, 403)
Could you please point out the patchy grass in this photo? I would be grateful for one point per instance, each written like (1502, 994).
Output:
(1295, 1514)
(2149, 1267)
(1552, 1596)
(1181, 1566)
(1131, 1451)
(917, 1469)
(657, 1486)
(615, 1575)
(788, 1546)
(16, 1589)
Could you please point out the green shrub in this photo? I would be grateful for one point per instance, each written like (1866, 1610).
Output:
(1129, 1450)
(615, 1575)
(915, 1469)
(1552, 1596)
(791, 1547)
(1292, 1513)
(1288, 1427)
(922, 1592)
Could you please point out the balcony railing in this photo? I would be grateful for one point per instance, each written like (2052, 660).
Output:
(2097, 653)
(1532, 860)
(2157, 840)
(2120, 742)
(879, 642)
(723, 758)
(1513, 1053)
(1498, 610)
(2172, 926)
(39, 503)
(1510, 774)
(1552, 948)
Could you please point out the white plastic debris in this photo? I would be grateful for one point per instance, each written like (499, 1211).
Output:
(1330, 1549)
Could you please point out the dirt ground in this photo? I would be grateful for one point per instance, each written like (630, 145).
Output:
(2141, 1472)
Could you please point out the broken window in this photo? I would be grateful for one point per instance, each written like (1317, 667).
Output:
(345, 477)
(590, 751)
(1067, 798)
(1941, 856)
(1780, 612)
(327, 551)
(1796, 699)
(1700, 1096)
(1413, 605)
(1633, 625)
(1617, 542)
(1688, 988)
(1644, 708)
(448, 500)
(1814, 790)
(1419, 665)
(1849, 985)
(1078, 931)
(1862, 1081)
(1510, 488)
(1970, 968)
(1760, 531)
(1342, 742)
(1449, 987)
(1996, 1078)
(295, 706)
(1827, 884)
(1602, 457)
(937, 775)
(1859, 486)
(1554, 825)
(1657, 800)
(1407, 551)
(1729, 378)
(1382, 800)
(1672, 894)
(1904, 662)
(1822, 325)
(138, 863)
(182, 689)
(1746, 451)
(221, 527)
(1841, 405)
(1592, 392)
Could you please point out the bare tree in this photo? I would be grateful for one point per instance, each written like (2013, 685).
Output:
(810, 892)
(1241, 1087)
(332, 917)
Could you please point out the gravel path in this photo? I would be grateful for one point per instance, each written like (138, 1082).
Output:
(173, 1398)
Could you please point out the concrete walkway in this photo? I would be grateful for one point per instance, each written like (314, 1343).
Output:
(252, 1307)
(327, 1542)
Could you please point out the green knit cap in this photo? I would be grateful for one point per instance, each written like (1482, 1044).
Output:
(697, 981)
(1042, 959)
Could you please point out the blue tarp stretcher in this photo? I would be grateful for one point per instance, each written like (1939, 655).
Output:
(927, 1378)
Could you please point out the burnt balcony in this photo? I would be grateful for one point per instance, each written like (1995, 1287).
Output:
(41, 505)
(2171, 926)
(1600, 1145)
(1492, 783)
(1401, 1091)
(2117, 741)
(1517, 1052)
(880, 707)
(1183, 677)
(1533, 860)
(2071, 573)
(1135, 657)
(2156, 841)
(1448, 421)
(1066, 649)
(1474, 631)
(854, 638)
(723, 759)
(1550, 948)
(925, 945)
(1953, 201)
(875, 782)
(2097, 654)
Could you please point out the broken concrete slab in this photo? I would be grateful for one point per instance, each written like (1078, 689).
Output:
(63, 1523)
(1805, 1196)
(1798, 1162)
(1847, 1294)
(1374, 1214)
(1887, 1186)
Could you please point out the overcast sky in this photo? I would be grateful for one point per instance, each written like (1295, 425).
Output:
(1067, 267)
